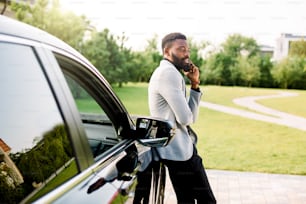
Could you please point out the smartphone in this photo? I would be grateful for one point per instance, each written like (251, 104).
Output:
(187, 67)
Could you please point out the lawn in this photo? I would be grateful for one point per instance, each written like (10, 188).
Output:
(235, 143)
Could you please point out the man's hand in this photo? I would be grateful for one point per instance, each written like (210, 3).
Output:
(193, 75)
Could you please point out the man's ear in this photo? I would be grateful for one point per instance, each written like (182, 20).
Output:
(166, 52)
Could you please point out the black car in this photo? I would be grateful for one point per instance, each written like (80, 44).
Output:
(65, 137)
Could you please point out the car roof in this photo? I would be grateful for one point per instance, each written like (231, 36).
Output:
(12, 27)
(15, 28)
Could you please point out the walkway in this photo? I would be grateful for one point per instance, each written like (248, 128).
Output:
(232, 187)
(269, 115)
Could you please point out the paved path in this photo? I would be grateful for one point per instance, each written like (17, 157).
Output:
(269, 115)
(232, 187)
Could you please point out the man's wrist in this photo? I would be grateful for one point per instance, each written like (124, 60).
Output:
(195, 87)
(195, 84)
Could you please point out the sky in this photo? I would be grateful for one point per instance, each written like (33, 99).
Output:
(201, 20)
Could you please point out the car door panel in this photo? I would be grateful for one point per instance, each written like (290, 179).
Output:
(33, 131)
(104, 194)
(112, 189)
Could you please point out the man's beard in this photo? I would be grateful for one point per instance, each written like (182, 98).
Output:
(177, 62)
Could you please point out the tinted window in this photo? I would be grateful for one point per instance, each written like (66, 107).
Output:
(35, 154)
(91, 102)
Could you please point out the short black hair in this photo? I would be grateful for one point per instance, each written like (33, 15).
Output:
(168, 39)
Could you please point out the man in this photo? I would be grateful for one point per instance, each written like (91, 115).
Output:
(167, 99)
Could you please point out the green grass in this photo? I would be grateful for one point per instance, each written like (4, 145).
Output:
(63, 176)
(88, 105)
(135, 98)
(235, 143)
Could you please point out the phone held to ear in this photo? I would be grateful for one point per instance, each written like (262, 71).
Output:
(187, 67)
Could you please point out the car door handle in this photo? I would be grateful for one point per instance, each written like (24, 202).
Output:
(125, 169)
(98, 184)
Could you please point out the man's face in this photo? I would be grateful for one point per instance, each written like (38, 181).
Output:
(179, 53)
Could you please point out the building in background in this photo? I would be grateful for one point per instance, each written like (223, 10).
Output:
(283, 45)
(266, 50)
(8, 170)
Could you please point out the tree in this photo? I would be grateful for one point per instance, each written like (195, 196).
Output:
(298, 48)
(144, 62)
(236, 46)
(249, 70)
(195, 51)
(127, 60)
(149, 59)
(48, 16)
(265, 65)
(110, 59)
(152, 49)
(237, 43)
(47, 156)
(238, 62)
(144, 65)
(216, 70)
(289, 73)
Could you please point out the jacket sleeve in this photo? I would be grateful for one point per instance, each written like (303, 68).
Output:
(193, 102)
(174, 93)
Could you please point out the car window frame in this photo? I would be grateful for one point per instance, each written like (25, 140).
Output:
(46, 56)
(62, 96)
(67, 107)
(114, 107)
(100, 91)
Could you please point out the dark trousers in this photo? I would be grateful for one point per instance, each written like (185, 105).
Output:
(157, 172)
(190, 181)
(188, 178)
(142, 191)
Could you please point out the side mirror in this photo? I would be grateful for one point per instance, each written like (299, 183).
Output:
(154, 132)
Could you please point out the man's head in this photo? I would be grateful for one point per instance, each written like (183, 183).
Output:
(176, 49)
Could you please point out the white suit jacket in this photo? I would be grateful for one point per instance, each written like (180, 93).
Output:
(168, 100)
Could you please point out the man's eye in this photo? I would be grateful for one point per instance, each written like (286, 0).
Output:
(183, 49)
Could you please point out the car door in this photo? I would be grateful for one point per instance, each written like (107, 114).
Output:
(49, 144)
(36, 154)
(64, 135)
(114, 154)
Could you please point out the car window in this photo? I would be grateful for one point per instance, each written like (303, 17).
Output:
(91, 104)
(35, 153)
